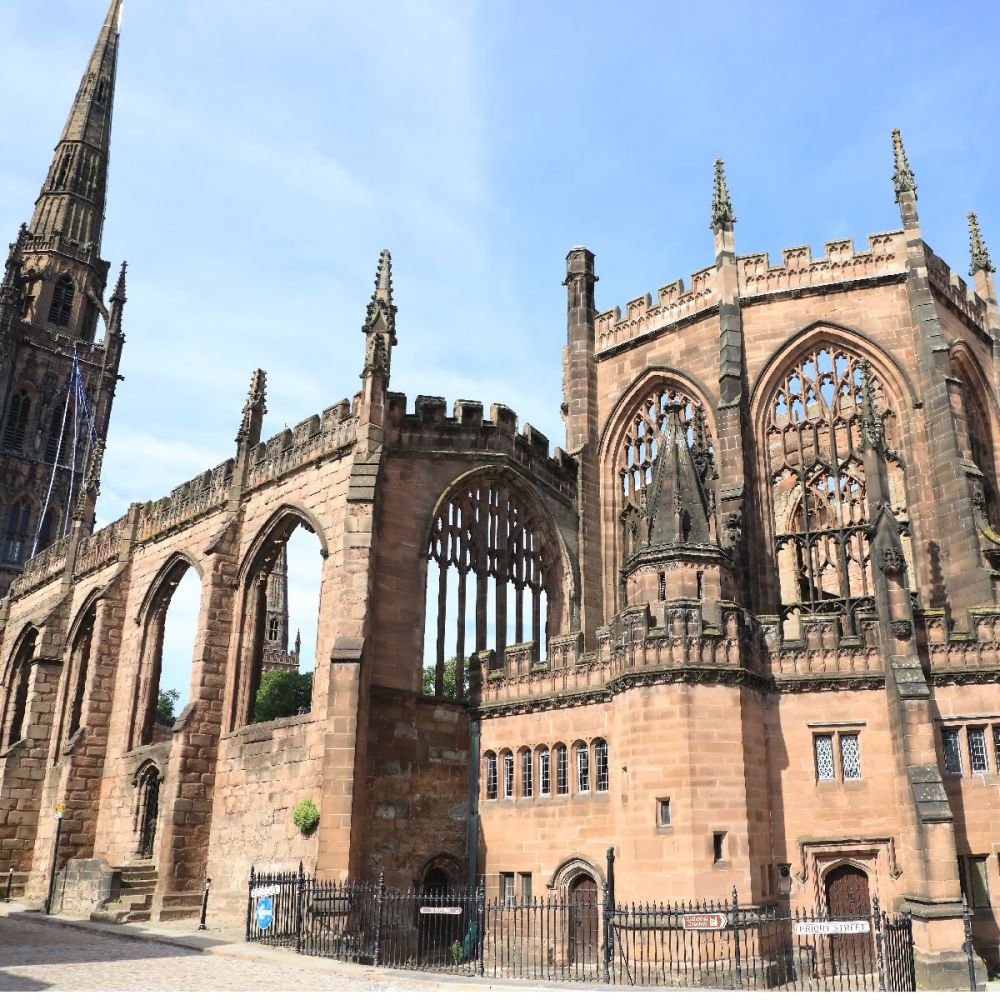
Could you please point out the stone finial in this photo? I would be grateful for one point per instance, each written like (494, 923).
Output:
(91, 485)
(902, 179)
(381, 303)
(14, 255)
(980, 255)
(722, 207)
(254, 409)
(118, 295)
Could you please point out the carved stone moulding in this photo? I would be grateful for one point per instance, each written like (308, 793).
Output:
(901, 628)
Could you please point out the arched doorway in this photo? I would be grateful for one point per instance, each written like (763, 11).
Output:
(582, 908)
(148, 782)
(848, 897)
(439, 927)
(847, 892)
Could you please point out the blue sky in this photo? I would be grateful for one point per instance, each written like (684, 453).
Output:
(264, 151)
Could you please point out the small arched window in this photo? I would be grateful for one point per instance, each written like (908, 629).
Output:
(18, 520)
(601, 777)
(582, 755)
(62, 301)
(272, 630)
(17, 419)
(544, 771)
(491, 775)
(527, 773)
(562, 769)
(46, 533)
(55, 432)
(508, 774)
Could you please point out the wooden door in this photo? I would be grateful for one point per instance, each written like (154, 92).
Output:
(852, 955)
(583, 902)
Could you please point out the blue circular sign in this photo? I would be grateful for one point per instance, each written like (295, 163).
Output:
(265, 913)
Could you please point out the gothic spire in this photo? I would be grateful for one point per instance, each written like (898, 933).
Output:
(677, 506)
(14, 260)
(722, 207)
(980, 255)
(902, 179)
(380, 320)
(72, 198)
(118, 300)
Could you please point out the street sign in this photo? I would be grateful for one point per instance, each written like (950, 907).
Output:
(705, 921)
(453, 911)
(265, 913)
(266, 890)
(833, 927)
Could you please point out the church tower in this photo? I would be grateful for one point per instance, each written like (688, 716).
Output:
(277, 655)
(60, 343)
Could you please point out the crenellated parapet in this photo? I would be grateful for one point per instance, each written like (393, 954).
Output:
(884, 257)
(429, 429)
(39, 570)
(101, 548)
(185, 502)
(309, 440)
(957, 294)
(674, 305)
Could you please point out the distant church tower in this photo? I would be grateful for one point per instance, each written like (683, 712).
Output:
(277, 655)
(57, 379)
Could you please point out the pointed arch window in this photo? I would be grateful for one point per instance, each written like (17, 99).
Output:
(76, 685)
(18, 523)
(62, 301)
(818, 495)
(980, 431)
(53, 439)
(491, 774)
(15, 703)
(17, 419)
(494, 568)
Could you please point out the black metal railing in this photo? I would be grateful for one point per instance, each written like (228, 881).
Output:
(582, 937)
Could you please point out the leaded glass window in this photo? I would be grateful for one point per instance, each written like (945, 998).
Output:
(544, 773)
(601, 764)
(562, 771)
(823, 747)
(818, 497)
(996, 747)
(527, 774)
(491, 775)
(508, 774)
(17, 420)
(952, 751)
(850, 756)
(978, 761)
(582, 768)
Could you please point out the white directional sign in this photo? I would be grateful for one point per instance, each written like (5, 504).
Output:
(448, 910)
(833, 927)
(266, 890)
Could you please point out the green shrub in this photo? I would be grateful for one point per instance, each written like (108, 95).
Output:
(306, 816)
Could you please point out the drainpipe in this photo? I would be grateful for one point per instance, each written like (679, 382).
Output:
(473, 826)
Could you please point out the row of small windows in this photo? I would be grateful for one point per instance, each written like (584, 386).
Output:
(15, 431)
(827, 760)
(551, 767)
(977, 745)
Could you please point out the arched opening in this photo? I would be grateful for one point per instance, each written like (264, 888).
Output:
(54, 445)
(163, 682)
(15, 703)
(847, 893)
(276, 655)
(979, 430)
(813, 435)
(61, 307)
(16, 538)
(491, 580)
(147, 783)
(438, 930)
(78, 670)
(602, 777)
(17, 420)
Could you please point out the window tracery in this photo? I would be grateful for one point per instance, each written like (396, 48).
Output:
(815, 437)
(62, 301)
(488, 547)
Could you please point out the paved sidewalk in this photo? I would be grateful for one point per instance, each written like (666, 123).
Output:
(39, 952)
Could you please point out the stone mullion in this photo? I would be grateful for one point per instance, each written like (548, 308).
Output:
(502, 572)
(460, 637)
(442, 622)
(480, 564)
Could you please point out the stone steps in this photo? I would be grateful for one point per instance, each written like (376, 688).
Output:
(17, 885)
(135, 902)
(180, 906)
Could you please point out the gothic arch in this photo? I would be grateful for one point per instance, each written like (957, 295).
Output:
(490, 525)
(247, 649)
(151, 618)
(77, 656)
(629, 444)
(449, 864)
(809, 416)
(570, 869)
(15, 689)
(282, 522)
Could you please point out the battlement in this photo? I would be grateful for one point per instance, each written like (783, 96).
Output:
(185, 502)
(429, 427)
(885, 255)
(310, 439)
(642, 316)
(101, 548)
(956, 291)
(45, 566)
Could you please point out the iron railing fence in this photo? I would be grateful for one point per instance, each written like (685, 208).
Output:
(581, 937)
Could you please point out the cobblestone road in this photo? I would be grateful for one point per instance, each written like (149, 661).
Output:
(38, 956)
